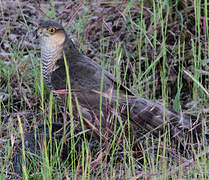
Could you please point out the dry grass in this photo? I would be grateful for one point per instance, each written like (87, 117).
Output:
(163, 51)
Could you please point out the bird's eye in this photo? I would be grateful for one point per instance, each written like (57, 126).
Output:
(52, 30)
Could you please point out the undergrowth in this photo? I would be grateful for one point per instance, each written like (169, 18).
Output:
(158, 49)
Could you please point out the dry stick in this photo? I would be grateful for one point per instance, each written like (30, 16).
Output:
(43, 12)
(14, 174)
(187, 163)
(108, 28)
(97, 20)
(114, 2)
(75, 12)
(93, 128)
(67, 5)
(97, 161)
(149, 176)
(5, 33)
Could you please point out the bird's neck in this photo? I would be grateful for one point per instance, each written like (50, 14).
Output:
(49, 56)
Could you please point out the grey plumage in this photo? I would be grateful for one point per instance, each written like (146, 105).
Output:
(85, 78)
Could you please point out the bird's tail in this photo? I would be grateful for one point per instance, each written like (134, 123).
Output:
(152, 117)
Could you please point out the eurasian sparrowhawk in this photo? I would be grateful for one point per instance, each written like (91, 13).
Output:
(89, 82)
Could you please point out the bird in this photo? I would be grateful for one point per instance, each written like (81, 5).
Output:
(96, 92)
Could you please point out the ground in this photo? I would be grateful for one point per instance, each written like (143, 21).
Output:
(160, 50)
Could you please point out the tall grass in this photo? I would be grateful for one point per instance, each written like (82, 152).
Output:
(115, 159)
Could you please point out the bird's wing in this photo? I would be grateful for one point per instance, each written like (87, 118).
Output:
(110, 77)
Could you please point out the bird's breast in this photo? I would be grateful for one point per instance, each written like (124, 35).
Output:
(49, 56)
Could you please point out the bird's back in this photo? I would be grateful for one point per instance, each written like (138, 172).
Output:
(99, 92)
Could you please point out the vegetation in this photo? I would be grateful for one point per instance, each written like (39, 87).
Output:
(157, 48)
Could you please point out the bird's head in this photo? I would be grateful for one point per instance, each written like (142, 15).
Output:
(51, 33)
(52, 39)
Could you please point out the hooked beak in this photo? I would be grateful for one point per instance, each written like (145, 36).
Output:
(42, 32)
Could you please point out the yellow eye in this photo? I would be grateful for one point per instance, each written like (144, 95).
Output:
(52, 30)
